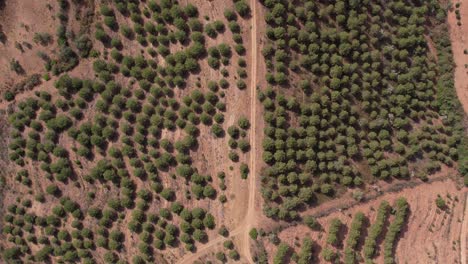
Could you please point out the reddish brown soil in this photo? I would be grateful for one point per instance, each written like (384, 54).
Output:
(18, 20)
(430, 236)
(211, 156)
(459, 45)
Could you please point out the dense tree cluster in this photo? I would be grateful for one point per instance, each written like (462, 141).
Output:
(365, 79)
(131, 131)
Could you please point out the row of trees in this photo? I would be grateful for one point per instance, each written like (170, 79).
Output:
(354, 234)
(333, 236)
(401, 212)
(281, 253)
(356, 229)
(376, 230)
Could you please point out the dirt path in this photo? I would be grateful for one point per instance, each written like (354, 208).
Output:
(249, 220)
(201, 251)
(250, 217)
(463, 234)
(459, 44)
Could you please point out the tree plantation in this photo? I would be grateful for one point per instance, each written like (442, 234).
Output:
(232, 131)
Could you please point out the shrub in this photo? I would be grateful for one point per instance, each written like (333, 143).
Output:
(199, 235)
(281, 253)
(440, 203)
(223, 231)
(241, 84)
(329, 255)
(16, 66)
(242, 8)
(53, 190)
(9, 96)
(243, 123)
(233, 156)
(168, 194)
(230, 15)
(243, 145)
(42, 38)
(220, 256)
(353, 237)
(311, 222)
(217, 130)
(244, 170)
(394, 229)
(305, 256)
(12, 253)
(233, 254)
(253, 233)
(375, 230)
(84, 45)
(59, 123)
(333, 232)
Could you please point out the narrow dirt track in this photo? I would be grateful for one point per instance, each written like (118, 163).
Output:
(459, 40)
(463, 234)
(249, 219)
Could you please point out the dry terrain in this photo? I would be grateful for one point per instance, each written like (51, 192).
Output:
(229, 200)
(459, 48)
(430, 235)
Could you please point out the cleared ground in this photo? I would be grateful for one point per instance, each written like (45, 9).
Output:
(430, 235)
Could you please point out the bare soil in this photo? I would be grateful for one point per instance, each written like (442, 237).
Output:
(18, 20)
(242, 193)
(430, 235)
(459, 45)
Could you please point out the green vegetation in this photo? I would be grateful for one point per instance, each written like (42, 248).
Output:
(401, 210)
(354, 233)
(16, 66)
(311, 222)
(329, 255)
(253, 233)
(367, 90)
(375, 230)
(130, 133)
(351, 97)
(440, 203)
(281, 253)
(305, 256)
(333, 232)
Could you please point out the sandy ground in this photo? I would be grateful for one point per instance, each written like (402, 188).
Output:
(243, 194)
(417, 243)
(251, 211)
(18, 20)
(459, 37)
(463, 233)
